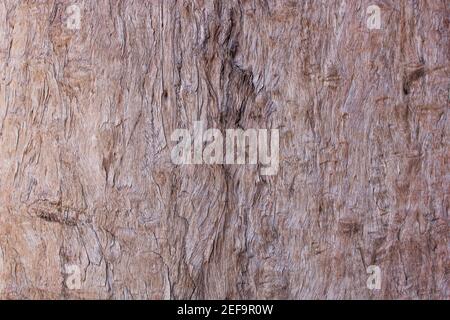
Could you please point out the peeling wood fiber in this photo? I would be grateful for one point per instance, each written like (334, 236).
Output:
(86, 177)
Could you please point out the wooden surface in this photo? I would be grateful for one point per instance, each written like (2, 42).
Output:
(86, 177)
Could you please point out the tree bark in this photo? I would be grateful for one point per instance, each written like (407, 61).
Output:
(87, 181)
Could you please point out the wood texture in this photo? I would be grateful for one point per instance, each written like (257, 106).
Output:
(86, 177)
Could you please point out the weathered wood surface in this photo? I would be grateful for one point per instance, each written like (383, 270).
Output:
(85, 171)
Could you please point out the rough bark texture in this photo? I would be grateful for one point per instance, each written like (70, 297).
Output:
(86, 177)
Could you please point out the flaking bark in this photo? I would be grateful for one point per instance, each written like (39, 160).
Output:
(86, 177)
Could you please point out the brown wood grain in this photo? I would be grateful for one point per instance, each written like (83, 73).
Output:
(86, 177)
